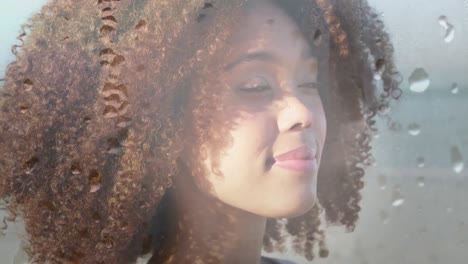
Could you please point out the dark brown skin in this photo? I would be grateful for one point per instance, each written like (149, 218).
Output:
(109, 106)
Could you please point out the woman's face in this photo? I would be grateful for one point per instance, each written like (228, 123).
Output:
(268, 52)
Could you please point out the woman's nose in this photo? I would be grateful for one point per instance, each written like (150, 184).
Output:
(294, 114)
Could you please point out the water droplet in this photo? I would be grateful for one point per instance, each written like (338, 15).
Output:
(394, 126)
(449, 210)
(449, 29)
(382, 181)
(110, 112)
(30, 165)
(317, 37)
(378, 42)
(384, 109)
(457, 160)
(414, 129)
(106, 29)
(454, 89)
(376, 134)
(113, 146)
(379, 69)
(420, 161)
(397, 198)
(75, 168)
(419, 80)
(96, 217)
(420, 180)
(94, 180)
(141, 26)
(398, 202)
(384, 217)
(109, 243)
(24, 109)
(169, 183)
(123, 121)
(160, 191)
(28, 84)
(94, 187)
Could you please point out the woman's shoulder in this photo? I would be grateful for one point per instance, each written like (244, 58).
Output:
(268, 260)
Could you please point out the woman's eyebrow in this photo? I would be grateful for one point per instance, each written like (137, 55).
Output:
(261, 56)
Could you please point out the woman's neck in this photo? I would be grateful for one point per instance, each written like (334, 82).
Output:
(203, 228)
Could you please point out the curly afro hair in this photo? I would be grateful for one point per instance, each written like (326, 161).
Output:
(100, 102)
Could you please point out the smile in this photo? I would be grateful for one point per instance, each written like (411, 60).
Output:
(299, 165)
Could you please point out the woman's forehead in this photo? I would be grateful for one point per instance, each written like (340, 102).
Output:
(265, 26)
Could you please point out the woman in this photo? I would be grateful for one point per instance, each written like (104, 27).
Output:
(158, 127)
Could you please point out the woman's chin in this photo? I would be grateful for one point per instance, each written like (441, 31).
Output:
(292, 210)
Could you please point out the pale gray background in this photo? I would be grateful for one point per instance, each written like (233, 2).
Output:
(431, 226)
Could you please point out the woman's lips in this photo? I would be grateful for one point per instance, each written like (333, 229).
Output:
(301, 153)
(298, 165)
(302, 159)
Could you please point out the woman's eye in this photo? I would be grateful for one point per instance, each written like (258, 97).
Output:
(257, 85)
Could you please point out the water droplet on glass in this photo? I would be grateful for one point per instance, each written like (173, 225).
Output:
(109, 243)
(28, 84)
(96, 217)
(420, 161)
(30, 165)
(457, 160)
(379, 69)
(384, 217)
(449, 29)
(454, 89)
(113, 146)
(123, 121)
(75, 169)
(160, 191)
(94, 187)
(397, 198)
(378, 42)
(382, 181)
(141, 26)
(414, 129)
(420, 180)
(394, 126)
(317, 37)
(24, 109)
(419, 80)
(94, 180)
(398, 202)
(384, 109)
(110, 112)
